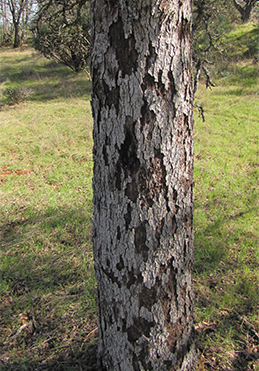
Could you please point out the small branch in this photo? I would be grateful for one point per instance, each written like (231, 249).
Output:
(197, 75)
(17, 333)
(209, 82)
(201, 111)
(90, 334)
(247, 325)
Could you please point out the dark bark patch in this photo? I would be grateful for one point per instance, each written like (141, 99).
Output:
(148, 297)
(113, 97)
(174, 195)
(140, 240)
(150, 60)
(127, 216)
(160, 173)
(105, 155)
(128, 159)
(144, 187)
(112, 277)
(167, 292)
(120, 265)
(160, 86)
(132, 190)
(186, 184)
(134, 279)
(135, 362)
(183, 29)
(174, 224)
(174, 335)
(115, 176)
(172, 84)
(152, 181)
(118, 233)
(105, 95)
(185, 346)
(159, 230)
(118, 176)
(126, 53)
(148, 82)
(141, 358)
(128, 151)
(148, 117)
(168, 364)
(140, 327)
(112, 3)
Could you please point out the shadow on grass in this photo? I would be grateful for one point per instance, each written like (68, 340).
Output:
(210, 247)
(48, 311)
(48, 81)
(250, 39)
(212, 244)
(226, 290)
(84, 360)
(243, 357)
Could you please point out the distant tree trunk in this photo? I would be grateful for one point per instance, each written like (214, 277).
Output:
(143, 183)
(17, 39)
(245, 9)
(16, 8)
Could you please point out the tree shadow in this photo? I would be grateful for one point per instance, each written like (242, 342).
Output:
(84, 360)
(49, 80)
(244, 357)
(211, 244)
(48, 290)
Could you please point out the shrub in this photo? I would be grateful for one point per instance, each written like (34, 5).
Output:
(17, 95)
(6, 38)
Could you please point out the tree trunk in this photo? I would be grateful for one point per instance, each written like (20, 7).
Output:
(143, 185)
(17, 40)
(246, 10)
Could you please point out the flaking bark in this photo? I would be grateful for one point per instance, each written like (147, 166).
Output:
(143, 186)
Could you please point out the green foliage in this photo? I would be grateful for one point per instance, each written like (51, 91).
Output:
(6, 38)
(61, 31)
(211, 20)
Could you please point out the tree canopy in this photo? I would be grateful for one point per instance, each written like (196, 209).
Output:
(61, 31)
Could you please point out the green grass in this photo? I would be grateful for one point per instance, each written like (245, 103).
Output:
(48, 291)
(47, 286)
(241, 42)
(226, 221)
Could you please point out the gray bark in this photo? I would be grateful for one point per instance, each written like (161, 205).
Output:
(142, 184)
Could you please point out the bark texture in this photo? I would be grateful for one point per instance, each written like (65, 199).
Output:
(143, 185)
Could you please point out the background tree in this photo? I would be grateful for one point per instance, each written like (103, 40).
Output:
(143, 199)
(17, 8)
(15, 16)
(61, 31)
(245, 8)
(211, 20)
(3, 17)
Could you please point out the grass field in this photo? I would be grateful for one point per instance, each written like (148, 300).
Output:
(226, 222)
(48, 291)
(48, 309)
